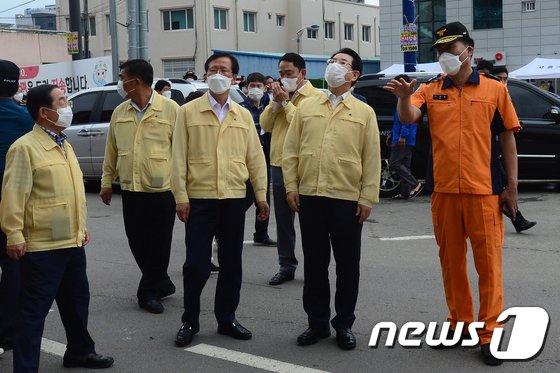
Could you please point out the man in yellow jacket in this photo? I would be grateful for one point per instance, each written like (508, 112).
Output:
(215, 151)
(43, 213)
(331, 165)
(138, 152)
(276, 119)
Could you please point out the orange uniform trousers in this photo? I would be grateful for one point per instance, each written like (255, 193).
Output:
(457, 217)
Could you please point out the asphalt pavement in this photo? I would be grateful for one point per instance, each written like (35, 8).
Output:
(400, 282)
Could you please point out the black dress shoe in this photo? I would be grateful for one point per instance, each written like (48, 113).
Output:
(312, 336)
(167, 291)
(487, 356)
(280, 278)
(214, 268)
(151, 305)
(266, 242)
(345, 339)
(521, 224)
(91, 361)
(184, 335)
(235, 330)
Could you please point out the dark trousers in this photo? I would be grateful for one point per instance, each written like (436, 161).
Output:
(148, 222)
(46, 276)
(225, 219)
(286, 233)
(327, 222)
(399, 162)
(9, 291)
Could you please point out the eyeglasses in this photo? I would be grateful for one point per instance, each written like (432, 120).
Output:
(340, 62)
(215, 70)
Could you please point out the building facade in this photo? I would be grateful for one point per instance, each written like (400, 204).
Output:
(38, 18)
(506, 32)
(33, 47)
(182, 33)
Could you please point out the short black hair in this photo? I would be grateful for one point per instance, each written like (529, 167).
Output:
(39, 97)
(256, 77)
(140, 69)
(268, 77)
(294, 58)
(194, 94)
(403, 76)
(500, 69)
(215, 56)
(357, 63)
(485, 64)
(161, 84)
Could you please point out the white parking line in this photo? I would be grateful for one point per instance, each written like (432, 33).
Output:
(250, 360)
(52, 347)
(407, 238)
(246, 242)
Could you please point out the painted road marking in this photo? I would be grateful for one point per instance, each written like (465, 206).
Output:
(52, 347)
(250, 360)
(407, 238)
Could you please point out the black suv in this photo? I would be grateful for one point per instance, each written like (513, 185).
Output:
(538, 143)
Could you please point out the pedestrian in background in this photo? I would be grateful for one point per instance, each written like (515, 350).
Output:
(402, 141)
(216, 150)
(43, 213)
(288, 93)
(331, 165)
(138, 152)
(14, 123)
(163, 87)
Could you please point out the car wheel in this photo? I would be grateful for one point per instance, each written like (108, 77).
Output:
(390, 182)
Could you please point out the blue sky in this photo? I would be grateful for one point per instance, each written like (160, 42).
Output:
(8, 16)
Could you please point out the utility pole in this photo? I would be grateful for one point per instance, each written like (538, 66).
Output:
(143, 30)
(409, 17)
(132, 23)
(86, 29)
(74, 8)
(114, 37)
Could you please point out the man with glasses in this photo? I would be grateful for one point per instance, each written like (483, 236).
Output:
(43, 213)
(287, 94)
(138, 152)
(331, 164)
(216, 150)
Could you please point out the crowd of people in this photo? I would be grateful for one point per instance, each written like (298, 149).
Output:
(211, 159)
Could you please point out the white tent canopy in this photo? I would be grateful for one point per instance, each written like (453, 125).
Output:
(398, 68)
(539, 68)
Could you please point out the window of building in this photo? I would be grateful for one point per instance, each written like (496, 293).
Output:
(220, 19)
(280, 20)
(108, 22)
(431, 16)
(366, 34)
(528, 6)
(67, 24)
(249, 22)
(312, 34)
(92, 28)
(329, 30)
(487, 14)
(180, 19)
(348, 31)
(177, 68)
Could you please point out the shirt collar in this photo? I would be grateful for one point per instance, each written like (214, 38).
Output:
(332, 97)
(474, 79)
(213, 102)
(57, 138)
(137, 108)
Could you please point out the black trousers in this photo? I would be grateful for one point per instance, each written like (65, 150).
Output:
(226, 219)
(148, 223)
(327, 222)
(9, 291)
(46, 276)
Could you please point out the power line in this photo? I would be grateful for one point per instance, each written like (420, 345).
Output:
(17, 6)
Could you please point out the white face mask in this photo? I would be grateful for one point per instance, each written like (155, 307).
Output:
(65, 116)
(255, 94)
(450, 63)
(218, 83)
(166, 94)
(290, 84)
(335, 75)
(120, 88)
(18, 96)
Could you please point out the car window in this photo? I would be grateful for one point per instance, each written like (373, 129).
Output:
(382, 101)
(529, 104)
(82, 106)
(112, 100)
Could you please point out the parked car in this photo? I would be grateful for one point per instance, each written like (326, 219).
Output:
(92, 113)
(538, 143)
